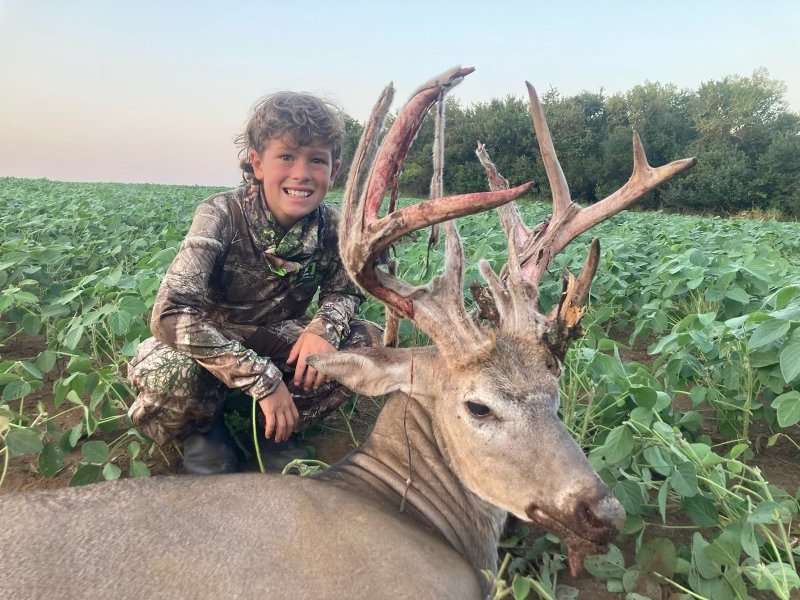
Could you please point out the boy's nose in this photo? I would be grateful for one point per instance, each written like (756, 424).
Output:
(300, 170)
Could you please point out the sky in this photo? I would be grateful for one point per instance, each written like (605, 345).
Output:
(156, 91)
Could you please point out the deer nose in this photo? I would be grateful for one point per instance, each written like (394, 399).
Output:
(600, 517)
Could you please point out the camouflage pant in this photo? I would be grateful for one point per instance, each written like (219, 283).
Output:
(177, 397)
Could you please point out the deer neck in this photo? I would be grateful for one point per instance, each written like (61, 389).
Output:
(404, 464)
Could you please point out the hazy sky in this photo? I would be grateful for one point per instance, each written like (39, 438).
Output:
(156, 91)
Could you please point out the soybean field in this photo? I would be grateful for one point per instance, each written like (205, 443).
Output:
(684, 391)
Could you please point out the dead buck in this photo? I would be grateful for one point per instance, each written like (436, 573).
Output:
(469, 433)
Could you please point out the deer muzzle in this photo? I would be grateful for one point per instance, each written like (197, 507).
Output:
(593, 520)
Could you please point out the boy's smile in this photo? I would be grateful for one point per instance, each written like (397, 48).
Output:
(294, 178)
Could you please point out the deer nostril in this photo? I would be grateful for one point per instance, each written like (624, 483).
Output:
(604, 516)
(586, 515)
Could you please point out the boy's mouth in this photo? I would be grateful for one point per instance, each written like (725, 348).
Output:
(297, 193)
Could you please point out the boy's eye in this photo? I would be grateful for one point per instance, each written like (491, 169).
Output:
(285, 157)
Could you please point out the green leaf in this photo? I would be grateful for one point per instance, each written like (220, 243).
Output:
(133, 449)
(765, 576)
(24, 441)
(659, 555)
(521, 587)
(643, 416)
(769, 512)
(139, 469)
(702, 562)
(95, 452)
(629, 493)
(726, 549)
(737, 294)
(120, 322)
(85, 475)
(663, 494)
(32, 369)
(629, 579)
(749, 540)
(790, 362)
(684, 480)
(46, 361)
(618, 444)
(51, 460)
(79, 363)
(787, 405)
(73, 337)
(111, 472)
(31, 324)
(132, 305)
(644, 396)
(701, 511)
(15, 390)
(75, 435)
(768, 332)
(606, 566)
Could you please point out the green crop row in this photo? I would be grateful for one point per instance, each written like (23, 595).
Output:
(692, 345)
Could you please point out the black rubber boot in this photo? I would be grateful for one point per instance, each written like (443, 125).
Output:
(210, 453)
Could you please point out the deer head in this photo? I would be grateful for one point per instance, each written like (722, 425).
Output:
(492, 390)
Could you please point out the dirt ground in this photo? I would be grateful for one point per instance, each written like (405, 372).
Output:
(338, 436)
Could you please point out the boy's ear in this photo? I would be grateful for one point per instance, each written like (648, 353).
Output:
(372, 371)
(255, 162)
(335, 169)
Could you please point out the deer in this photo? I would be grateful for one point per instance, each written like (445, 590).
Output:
(469, 433)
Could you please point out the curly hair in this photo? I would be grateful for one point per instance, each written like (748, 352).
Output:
(308, 119)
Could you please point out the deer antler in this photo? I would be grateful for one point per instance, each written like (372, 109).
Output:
(531, 250)
(438, 308)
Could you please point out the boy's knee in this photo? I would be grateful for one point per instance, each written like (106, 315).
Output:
(175, 395)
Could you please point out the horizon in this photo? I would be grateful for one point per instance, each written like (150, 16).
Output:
(154, 94)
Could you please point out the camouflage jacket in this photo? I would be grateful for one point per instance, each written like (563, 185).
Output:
(237, 270)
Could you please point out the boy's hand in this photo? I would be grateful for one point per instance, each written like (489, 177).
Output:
(280, 414)
(304, 374)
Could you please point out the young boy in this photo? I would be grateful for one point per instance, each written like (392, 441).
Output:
(230, 312)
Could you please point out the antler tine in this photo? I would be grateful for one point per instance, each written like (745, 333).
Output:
(555, 175)
(365, 241)
(643, 179)
(569, 220)
(352, 206)
(514, 298)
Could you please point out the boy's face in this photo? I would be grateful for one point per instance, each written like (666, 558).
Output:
(295, 178)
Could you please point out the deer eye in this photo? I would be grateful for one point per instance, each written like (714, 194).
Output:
(478, 410)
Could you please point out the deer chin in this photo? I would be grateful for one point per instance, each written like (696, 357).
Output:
(579, 545)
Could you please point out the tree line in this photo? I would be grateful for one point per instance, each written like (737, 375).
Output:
(746, 140)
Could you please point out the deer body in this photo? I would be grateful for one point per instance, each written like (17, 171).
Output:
(338, 535)
(470, 433)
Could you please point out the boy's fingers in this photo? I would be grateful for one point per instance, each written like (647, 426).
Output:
(280, 429)
(291, 421)
(295, 415)
(294, 352)
(320, 379)
(269, 423)
(311, 375)
(300, 368)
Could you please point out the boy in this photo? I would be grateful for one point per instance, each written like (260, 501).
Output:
(231, 309)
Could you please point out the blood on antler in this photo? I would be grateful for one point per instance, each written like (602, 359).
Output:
(515, 292)
(437, 308)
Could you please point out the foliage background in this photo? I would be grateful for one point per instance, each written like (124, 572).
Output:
(745, 138)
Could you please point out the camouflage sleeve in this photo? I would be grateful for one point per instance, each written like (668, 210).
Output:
(339, 298)
(181, 315)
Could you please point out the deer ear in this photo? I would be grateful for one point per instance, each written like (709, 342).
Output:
(371, 371)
